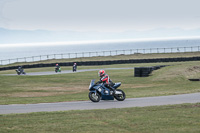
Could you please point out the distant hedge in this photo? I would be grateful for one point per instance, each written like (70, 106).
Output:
(89, 63)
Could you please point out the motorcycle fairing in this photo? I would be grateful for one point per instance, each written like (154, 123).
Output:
(117, 85)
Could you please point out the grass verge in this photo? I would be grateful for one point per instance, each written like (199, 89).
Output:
(182, 118)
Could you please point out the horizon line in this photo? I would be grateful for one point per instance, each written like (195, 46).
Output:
(97, 41)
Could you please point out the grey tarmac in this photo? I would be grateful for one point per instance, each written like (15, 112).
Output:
(88, 105)
(66, 71)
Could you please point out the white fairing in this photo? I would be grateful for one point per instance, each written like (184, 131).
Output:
(118, 92)
(90, 86)
(99, 89)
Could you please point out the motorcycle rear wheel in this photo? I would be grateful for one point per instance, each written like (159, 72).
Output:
(120, 97)
(93, 97)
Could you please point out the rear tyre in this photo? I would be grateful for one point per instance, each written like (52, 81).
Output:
(93, 97)
(120, 97)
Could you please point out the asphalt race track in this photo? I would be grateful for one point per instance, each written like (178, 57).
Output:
(69, 71)
(88, 105)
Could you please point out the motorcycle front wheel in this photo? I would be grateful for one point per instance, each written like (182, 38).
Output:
(120, 97)
(94, 97)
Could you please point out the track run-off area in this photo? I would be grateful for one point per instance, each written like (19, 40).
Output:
(88, 105)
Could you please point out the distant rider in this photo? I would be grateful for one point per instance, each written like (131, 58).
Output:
(104, 78)
(57, 67)
(20, 69)
(74, 67)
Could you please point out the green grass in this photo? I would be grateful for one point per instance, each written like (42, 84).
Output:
(169, 80)
(182, 118)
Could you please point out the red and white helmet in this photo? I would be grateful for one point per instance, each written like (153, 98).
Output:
(101, 73)
(56, 64)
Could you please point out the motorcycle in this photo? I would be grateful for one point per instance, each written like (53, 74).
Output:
(74, 69)
(57, 69)
(100, 92)
(20, 72)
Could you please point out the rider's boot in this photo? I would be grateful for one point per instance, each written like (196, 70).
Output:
(113, 91)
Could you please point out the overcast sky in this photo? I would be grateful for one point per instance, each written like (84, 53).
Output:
(99, 15)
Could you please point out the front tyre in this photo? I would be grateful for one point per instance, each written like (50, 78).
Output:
(94, 97)
(120, 97)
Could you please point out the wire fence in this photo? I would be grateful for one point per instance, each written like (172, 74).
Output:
(101, 53)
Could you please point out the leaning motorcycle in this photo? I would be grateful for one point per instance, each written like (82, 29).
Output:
(100, 92)
(20, 72)
(57, 69)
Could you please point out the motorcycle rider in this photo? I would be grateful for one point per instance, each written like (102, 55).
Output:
(20, 69)
(74, 67)
(57, 67)
(106, 80)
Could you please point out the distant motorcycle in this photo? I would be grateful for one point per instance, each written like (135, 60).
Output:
(19, 72)
(57, 69)
(74, 67)
(100, 92)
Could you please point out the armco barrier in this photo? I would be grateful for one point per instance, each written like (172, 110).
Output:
(88, 63)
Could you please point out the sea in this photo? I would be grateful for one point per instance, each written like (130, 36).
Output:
(94, 49)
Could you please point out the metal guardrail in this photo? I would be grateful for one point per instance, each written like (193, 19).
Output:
(101, 53)
(108, 62)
